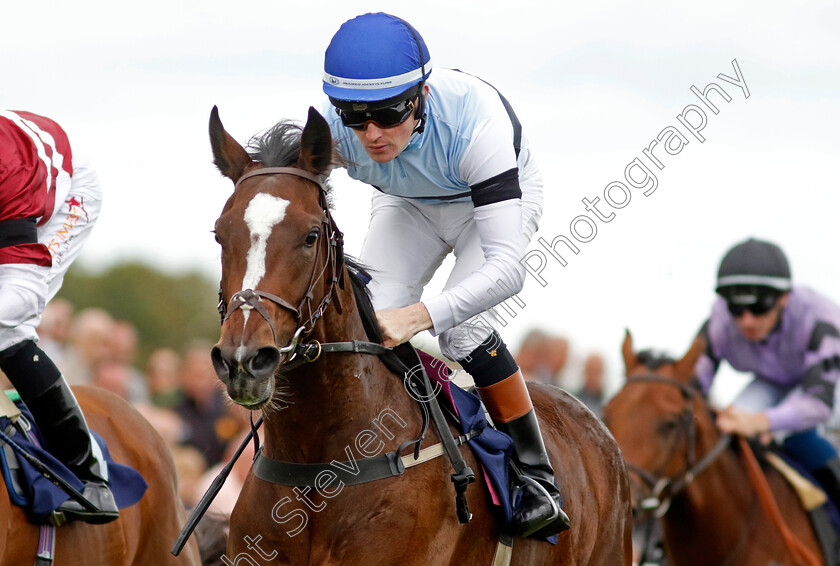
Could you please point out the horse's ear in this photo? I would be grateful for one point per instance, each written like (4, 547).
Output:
(630, 358)
(316, 149)
(230, 157)
(684, 370)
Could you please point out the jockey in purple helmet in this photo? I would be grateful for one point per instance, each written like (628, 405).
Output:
(453, 173)
(788, 337)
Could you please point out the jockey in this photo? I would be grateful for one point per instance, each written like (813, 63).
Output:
(788, 337)
(452, 173)
(49, 201)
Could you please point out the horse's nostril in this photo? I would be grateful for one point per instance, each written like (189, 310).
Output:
(222, 369)
(264, 362)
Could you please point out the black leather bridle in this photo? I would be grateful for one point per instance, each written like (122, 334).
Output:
(304, 314)
(662, 488)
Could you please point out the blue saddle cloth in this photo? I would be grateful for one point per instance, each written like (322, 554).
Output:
(36, 494)
(492, 448)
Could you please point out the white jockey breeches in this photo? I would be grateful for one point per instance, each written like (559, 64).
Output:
(406, 243)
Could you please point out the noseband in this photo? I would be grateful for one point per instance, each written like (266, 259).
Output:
(664, 488)
(253, 298)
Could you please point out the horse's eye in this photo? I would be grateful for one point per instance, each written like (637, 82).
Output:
(312, 237)
(669, 426)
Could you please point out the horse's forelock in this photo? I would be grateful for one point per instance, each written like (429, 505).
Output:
(653, 360)
(358, 279)
(279, 146)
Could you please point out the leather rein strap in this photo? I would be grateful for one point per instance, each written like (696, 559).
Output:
(252, 298)
(795, 547)
(353, 472)
(299, 353)
(663, 488)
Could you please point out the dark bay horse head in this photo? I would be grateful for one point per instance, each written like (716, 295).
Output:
(281, 251)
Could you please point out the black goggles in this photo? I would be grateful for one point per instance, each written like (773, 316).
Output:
(764, 305)
(388, 117)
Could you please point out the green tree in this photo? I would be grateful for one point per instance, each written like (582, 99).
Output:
(167, 310)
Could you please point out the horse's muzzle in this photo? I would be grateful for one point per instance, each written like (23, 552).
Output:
(247, 373)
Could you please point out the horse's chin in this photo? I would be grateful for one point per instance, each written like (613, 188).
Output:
(252, 396)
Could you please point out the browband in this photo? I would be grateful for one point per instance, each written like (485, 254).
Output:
(285, 171)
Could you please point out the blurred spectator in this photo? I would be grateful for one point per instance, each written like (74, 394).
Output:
(112, 376)
(162, 377)
(54, 329)
(592, 391)
(209, 424)
(542, 357)
(124, 352)
(226, 499)
(190, 467)
(90, 344)
(166, 421)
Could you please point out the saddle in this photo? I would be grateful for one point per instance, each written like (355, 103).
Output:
(36, 493)
(822, 512)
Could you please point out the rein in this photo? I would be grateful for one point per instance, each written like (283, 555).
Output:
(298, 353)
(663, 488)
(795, 547)
(672, 486)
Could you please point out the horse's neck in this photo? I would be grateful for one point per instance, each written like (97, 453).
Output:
(339, 397)
(717, 506)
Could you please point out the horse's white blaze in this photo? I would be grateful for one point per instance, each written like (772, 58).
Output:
(239, 354)
(246, 311)
(263, 213)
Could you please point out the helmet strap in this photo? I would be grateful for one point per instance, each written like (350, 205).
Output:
(420, 111)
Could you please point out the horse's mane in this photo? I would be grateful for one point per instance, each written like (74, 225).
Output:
(653, 360)
(358, 279)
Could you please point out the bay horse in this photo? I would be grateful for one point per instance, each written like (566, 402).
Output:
(680, 463)
(144, 531)
(285, 281)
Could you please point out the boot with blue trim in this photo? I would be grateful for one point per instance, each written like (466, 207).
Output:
(540, 512)
(502, 389)
(59, 418)
(829, 477)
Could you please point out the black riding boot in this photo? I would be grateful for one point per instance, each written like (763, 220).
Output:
(63, 426)
(502, 388)
(829, 478)
(539, 514)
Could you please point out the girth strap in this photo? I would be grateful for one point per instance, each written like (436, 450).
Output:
(351, 472)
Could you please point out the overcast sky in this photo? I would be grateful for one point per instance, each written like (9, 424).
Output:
(593, 83)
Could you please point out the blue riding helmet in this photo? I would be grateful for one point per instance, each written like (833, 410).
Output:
(375, 60)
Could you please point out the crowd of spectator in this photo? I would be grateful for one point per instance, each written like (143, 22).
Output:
(177, 391)
(549, 358)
